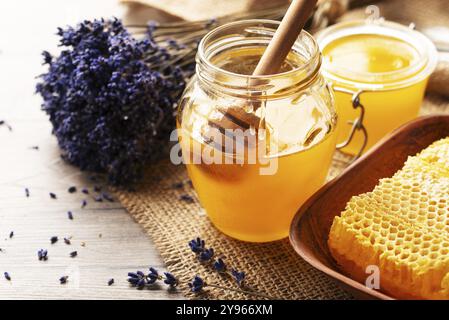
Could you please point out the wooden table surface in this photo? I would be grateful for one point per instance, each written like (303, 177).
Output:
(114, 243)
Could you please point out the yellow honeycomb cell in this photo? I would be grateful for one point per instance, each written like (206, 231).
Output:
(402, 227)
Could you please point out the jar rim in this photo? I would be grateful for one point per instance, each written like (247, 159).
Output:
(207, 40)
(396, 78)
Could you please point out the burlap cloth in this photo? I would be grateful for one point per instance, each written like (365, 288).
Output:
(271, 268)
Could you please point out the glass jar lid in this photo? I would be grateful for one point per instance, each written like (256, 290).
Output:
(375, 54)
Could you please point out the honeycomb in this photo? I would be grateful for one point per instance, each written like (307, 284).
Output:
(402, 226)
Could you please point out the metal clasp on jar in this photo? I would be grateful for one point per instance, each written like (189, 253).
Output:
(357, 124)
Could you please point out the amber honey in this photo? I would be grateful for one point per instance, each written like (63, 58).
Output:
(253, 207)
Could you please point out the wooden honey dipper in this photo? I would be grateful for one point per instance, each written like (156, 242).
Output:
(270, 63)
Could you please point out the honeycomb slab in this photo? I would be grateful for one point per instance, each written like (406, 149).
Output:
(402, 227)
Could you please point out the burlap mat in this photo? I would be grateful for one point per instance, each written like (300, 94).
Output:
(271, 268)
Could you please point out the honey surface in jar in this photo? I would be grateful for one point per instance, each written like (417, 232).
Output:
(369, 53)
(374, 62)
(239, 200)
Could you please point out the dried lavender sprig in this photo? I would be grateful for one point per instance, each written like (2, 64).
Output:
(140, 280)
(198, 284)
(206, 255)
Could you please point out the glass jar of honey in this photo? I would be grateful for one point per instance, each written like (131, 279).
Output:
(255, 147)
(386, 64)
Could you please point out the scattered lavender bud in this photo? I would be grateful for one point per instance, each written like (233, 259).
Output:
(83, 203)
(97, 188)
(197, 245)
(153, 276)
(197, 284)
(27, 192)
(133, 275)
(85, 191)
(141, 283)
(54, 239)
(42, 255)
(206, 255)
(52, 195)
(138, 279)
(72, 189)
(107, 197)
(73, 254)
(177, 185)
(11, 234)
(239, 277)
(70, 215)
(98, 199)
(7, 276)
(190, 183)
(170, 279)
(63, 279)
(110, 282)
(219, 265)
(187, 198)
(67, 241)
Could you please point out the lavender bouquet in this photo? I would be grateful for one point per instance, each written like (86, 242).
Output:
(110, 98)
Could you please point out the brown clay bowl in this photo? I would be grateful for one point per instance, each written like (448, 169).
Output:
(310, 227)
